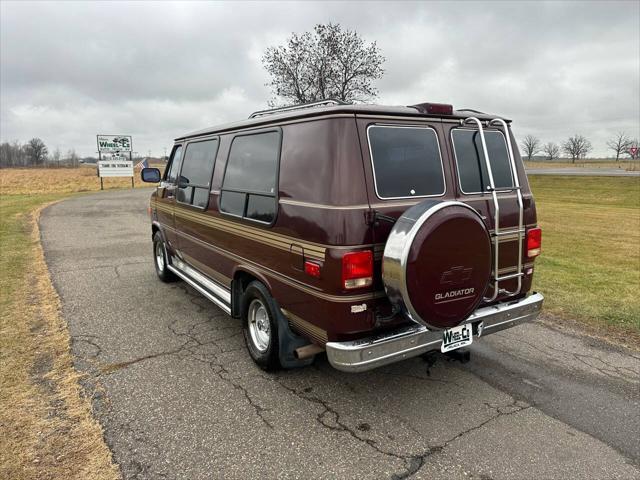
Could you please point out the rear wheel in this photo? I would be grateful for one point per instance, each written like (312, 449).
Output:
(260, 326)
(160, 259)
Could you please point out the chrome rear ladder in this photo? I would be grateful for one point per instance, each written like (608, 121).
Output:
(497, 233)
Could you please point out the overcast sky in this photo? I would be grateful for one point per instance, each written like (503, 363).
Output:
(157, 70)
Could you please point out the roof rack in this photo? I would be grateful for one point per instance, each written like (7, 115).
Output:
(470, 110)
(301, 106)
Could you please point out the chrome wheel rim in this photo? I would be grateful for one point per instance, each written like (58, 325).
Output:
(159, 256)
(259, 325)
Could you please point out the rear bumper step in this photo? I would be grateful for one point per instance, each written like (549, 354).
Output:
(372, 352)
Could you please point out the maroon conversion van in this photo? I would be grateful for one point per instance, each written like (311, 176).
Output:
(373, 233)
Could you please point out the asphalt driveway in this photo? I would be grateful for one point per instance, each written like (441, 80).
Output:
(179, 398)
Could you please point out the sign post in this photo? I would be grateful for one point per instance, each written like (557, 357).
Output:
(117, 166)
(634, 152)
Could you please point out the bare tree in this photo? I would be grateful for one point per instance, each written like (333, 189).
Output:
(531, 146)
(633, 144)
(72, 158)
(12, 155)
(576, 147)
(619, 144)
(36, 151)
(327, 63)
(551, 150)
(55, 157)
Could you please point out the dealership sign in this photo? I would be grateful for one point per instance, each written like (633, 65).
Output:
(115, 168)
(114, 143)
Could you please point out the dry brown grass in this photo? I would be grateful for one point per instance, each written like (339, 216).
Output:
(27, 181)
(48, 431)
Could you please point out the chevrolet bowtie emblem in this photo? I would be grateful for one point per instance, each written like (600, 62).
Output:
(456, 276)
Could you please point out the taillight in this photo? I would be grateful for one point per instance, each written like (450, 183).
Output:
(534, 242)
(312, 269)
(357, 269)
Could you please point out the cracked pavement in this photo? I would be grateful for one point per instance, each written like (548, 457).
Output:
(179, 397)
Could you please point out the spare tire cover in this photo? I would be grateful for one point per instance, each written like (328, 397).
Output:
(437, 263)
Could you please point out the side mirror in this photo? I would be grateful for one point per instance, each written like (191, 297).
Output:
(150, 175)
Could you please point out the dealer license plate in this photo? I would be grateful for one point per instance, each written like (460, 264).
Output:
(456, 337)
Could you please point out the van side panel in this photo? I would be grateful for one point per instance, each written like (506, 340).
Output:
(317, 220)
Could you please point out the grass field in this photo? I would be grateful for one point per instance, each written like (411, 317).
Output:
(590, 264)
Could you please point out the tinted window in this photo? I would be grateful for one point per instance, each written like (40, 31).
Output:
(260, 208)
(184, 194)
(250, 181)
(174, 167)
(198, 163)
(200, 197)
(406, 161)
(195, 176)
(232, 202)
(253, 162)
(472, 168)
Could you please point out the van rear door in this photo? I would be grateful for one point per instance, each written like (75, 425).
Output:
(404, 164)
(471, 187)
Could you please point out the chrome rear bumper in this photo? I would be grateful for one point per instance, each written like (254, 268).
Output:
(372, 352)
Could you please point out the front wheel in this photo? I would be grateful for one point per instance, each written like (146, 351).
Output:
(260, 326)
(160, 259)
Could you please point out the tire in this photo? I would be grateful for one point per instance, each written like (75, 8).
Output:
(160, 260)
(260, 326)
(437, 263)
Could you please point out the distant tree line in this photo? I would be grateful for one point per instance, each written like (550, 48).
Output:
(577, 147)
(35, 153)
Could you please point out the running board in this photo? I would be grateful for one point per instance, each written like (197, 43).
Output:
(208, 288)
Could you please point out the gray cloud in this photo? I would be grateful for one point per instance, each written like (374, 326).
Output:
(157, 70)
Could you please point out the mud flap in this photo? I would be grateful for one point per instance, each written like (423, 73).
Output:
(288, 341)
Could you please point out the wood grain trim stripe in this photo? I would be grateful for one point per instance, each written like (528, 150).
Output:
(273, 239)
(283, 278)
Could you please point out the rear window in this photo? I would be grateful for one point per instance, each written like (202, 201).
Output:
(406, 161)
(472, 169)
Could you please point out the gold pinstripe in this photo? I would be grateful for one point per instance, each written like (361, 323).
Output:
(284, 279)
(276, 240)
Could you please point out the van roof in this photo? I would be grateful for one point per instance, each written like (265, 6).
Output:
(320, 111)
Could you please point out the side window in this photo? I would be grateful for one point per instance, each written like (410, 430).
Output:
(472, 168)
(195, 176)
(249, 186)
(171, 173)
